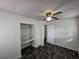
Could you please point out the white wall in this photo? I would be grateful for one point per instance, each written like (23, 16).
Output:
(64, 33)
(9, 36)
(10, 42)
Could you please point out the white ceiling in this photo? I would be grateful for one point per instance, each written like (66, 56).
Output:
(33, 8)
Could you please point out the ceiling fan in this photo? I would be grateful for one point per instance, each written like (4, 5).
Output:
(49, 15)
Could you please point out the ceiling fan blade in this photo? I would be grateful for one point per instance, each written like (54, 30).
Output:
(60, 12)
(44, 19)
(55, 18)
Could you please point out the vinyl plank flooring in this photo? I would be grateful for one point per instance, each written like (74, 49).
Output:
(50, 51)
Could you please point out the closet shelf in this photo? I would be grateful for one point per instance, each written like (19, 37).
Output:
(27, 41)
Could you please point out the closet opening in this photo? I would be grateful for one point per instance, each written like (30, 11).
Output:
(26, 37)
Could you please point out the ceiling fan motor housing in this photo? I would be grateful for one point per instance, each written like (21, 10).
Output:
(48, 14)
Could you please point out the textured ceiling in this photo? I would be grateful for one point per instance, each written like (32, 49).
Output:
(33, 8)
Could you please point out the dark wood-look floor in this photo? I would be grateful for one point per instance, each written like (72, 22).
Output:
(49, 51)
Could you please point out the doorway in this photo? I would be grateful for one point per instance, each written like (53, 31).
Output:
(45, 33)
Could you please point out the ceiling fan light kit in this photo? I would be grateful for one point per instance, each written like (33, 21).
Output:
(49, 19)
